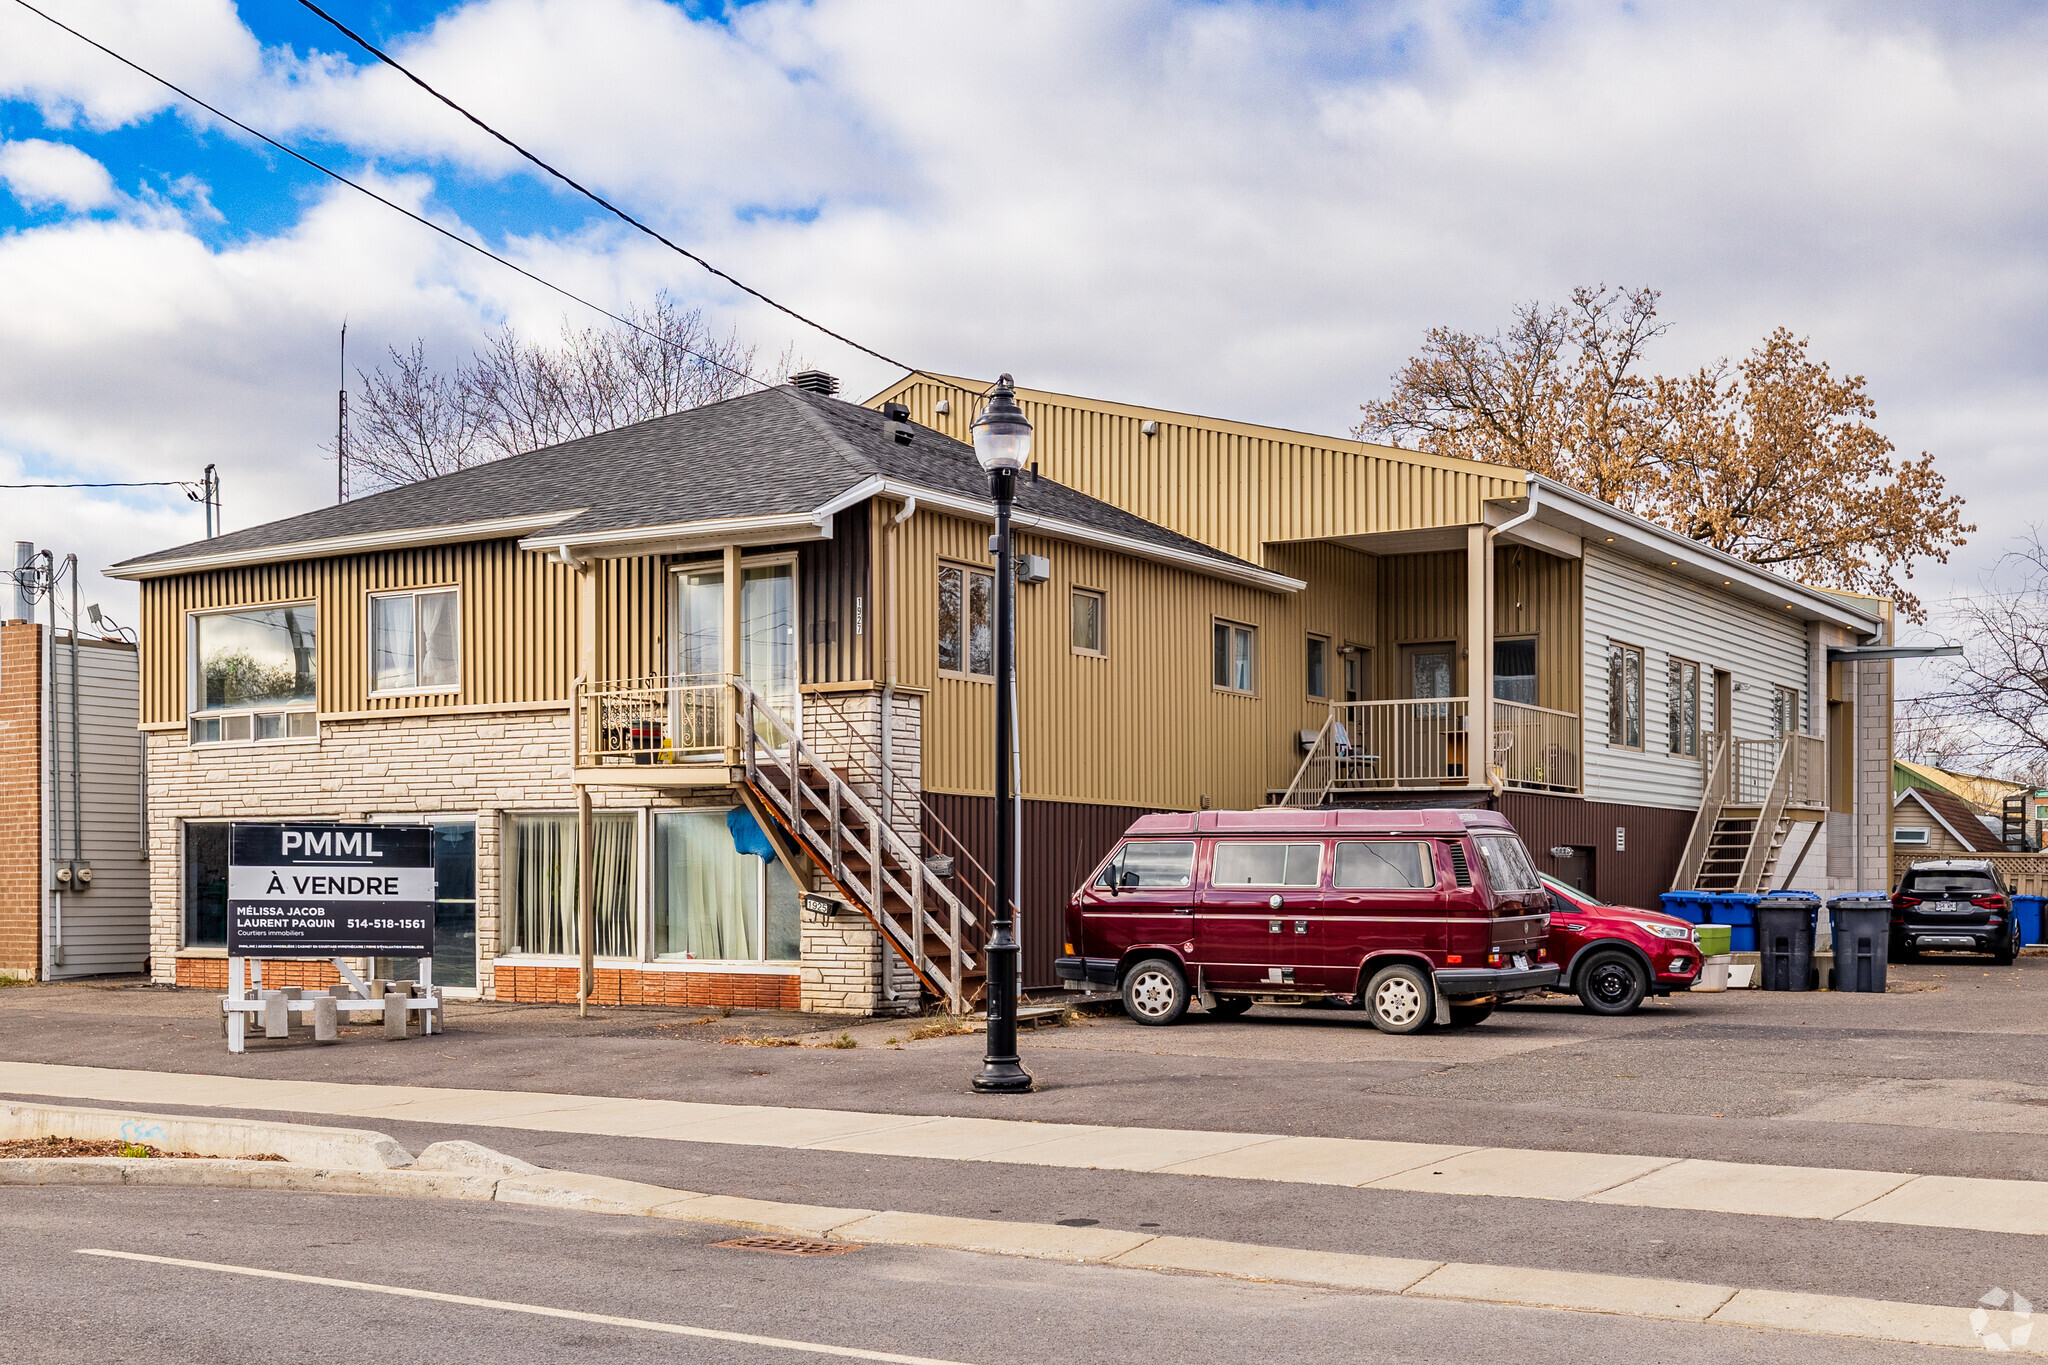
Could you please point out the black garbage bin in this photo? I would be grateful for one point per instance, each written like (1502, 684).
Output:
(1862, 926)
(1785, 922)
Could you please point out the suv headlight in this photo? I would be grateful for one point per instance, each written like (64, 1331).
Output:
(1671, 931)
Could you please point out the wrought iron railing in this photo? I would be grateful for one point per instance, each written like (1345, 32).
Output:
(634, 721)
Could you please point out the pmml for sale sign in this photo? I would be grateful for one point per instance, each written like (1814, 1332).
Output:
(311, 891)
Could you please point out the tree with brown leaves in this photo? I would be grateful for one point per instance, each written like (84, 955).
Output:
(1774, 459)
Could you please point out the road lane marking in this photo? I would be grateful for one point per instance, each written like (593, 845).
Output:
(1815, 1192)
(676, 1329)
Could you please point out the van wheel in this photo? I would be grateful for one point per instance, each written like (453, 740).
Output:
(1612, 983)
(1463, 1015)
(1156, 992)
(1398, 999)
(1230, 1006)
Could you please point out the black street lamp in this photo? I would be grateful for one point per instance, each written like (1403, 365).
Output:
(1002, 442)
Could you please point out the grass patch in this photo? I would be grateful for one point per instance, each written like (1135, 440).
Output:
(845, 1040)
(762, 1042)
(943, 1026)
(74, 1147)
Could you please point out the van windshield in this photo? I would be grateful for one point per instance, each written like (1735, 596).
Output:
(1150, 865)
(1507, 864)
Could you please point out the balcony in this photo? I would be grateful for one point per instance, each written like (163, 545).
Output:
(658, 723)
(1425, 744)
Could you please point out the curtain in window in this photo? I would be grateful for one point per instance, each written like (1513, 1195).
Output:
(440, 639)
(707, 894)
(391, 643)
(543, 878)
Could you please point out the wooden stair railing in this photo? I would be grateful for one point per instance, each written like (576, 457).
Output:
(1318, 770)
(1771, 830)
(869, 863)
(1699, 843)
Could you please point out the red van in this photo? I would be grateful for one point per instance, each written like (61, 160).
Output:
(1413, 915)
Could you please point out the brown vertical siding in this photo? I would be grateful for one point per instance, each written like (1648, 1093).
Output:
(1638, 876)
(1063, 842)
(836, 600)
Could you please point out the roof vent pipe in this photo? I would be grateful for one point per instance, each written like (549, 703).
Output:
(815, 381)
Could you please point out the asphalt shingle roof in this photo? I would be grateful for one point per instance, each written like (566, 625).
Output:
(782, 451)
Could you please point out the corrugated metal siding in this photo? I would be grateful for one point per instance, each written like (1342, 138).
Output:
(836, 601)
(518, 622)
(1142, 726)
(1538, 594)
(1637, 876)
(106, 928)
(1669, 616)
(1422, 601)
(1062, 844)
(1227, 484)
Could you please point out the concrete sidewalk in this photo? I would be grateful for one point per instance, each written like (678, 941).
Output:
(1772, 1191)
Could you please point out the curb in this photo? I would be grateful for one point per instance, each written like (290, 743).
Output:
(1828, 1315)
(352, 1148)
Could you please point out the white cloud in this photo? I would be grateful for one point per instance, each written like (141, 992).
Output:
(45, 174)
(200, 44)
(1246, 210)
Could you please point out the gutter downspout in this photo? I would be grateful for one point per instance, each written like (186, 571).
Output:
(77, 809)
(1530, 511)
(56, 801)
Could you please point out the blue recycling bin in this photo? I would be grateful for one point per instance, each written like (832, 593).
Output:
(2027, 910)
(1690, 906)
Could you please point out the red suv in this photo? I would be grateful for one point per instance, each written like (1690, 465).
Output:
(1616, 956)
(1413, 915)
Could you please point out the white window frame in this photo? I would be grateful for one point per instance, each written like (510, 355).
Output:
(195, 686)
(967, 572)
(370, 642)
(1101, 651)
(1217, 623)
(1900, 832)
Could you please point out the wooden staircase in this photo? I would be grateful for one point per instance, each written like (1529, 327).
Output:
(1745, 816)
(873, 867)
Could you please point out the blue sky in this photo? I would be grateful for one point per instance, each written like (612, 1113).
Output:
(1241, 209)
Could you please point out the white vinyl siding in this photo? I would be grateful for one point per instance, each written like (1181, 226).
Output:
(1668, 616)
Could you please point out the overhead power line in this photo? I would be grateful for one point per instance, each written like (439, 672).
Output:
(335, 175)
(364, 43)
(144, 483)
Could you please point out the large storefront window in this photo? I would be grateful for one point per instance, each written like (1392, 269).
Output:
(253, 672)
(454, 912)
(206, 886)
(713, 901)
(541, 874)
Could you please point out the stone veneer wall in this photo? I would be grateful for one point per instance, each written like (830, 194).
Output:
(485, 765)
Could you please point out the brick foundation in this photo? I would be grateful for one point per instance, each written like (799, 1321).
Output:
(623, 986)
(21, 797)
(211, 974)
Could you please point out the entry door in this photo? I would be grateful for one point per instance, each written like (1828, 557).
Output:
(1432, 744)
(1242, 937)
(768, 645)
(1724, 702)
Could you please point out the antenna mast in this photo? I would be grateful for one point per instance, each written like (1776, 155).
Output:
(341, 424)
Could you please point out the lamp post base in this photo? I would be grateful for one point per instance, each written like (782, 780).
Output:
(1002, 1078)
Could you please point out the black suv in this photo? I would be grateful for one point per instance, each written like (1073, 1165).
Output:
(1957, 904)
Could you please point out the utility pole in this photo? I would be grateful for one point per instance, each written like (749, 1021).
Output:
(341, 424)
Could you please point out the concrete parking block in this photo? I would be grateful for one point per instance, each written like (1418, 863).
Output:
(955, 1139)
(1513, 1173)
(1046, 1241)
(588, 1193)
(1318, 1160)
(762, 1215)
(1878, 1320)
(1329, 1269)
(1633, 1295)
(1772, 1191)
(1128, 1149)
(1947, 1201)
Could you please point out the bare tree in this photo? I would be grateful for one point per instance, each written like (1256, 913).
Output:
(412, 422)
(1998, 689)
(1774, 458)
(1924, 731)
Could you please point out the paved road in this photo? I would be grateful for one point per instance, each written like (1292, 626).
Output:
(949, 1306)
(1945, 1076)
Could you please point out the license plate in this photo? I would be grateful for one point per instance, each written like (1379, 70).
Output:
(1521, 961)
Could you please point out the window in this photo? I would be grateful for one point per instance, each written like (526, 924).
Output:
(1150, 865)
(1932, 882)
(416, 641)
(1507, 864)
(541, 880)
(1514, 670)
(1085, 610)
(1266, 865)
(1625, 696)
(1914, 835)
(206, 886)
(1682, 696)
(967, 632)
(1784, 711)
(713, 901)
(1354, 672)
(1234, 646)
(1318, 667)
(252, 674)
(1384, 865)
(454, 960)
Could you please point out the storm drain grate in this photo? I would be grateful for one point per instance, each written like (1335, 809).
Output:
(789, 1246)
